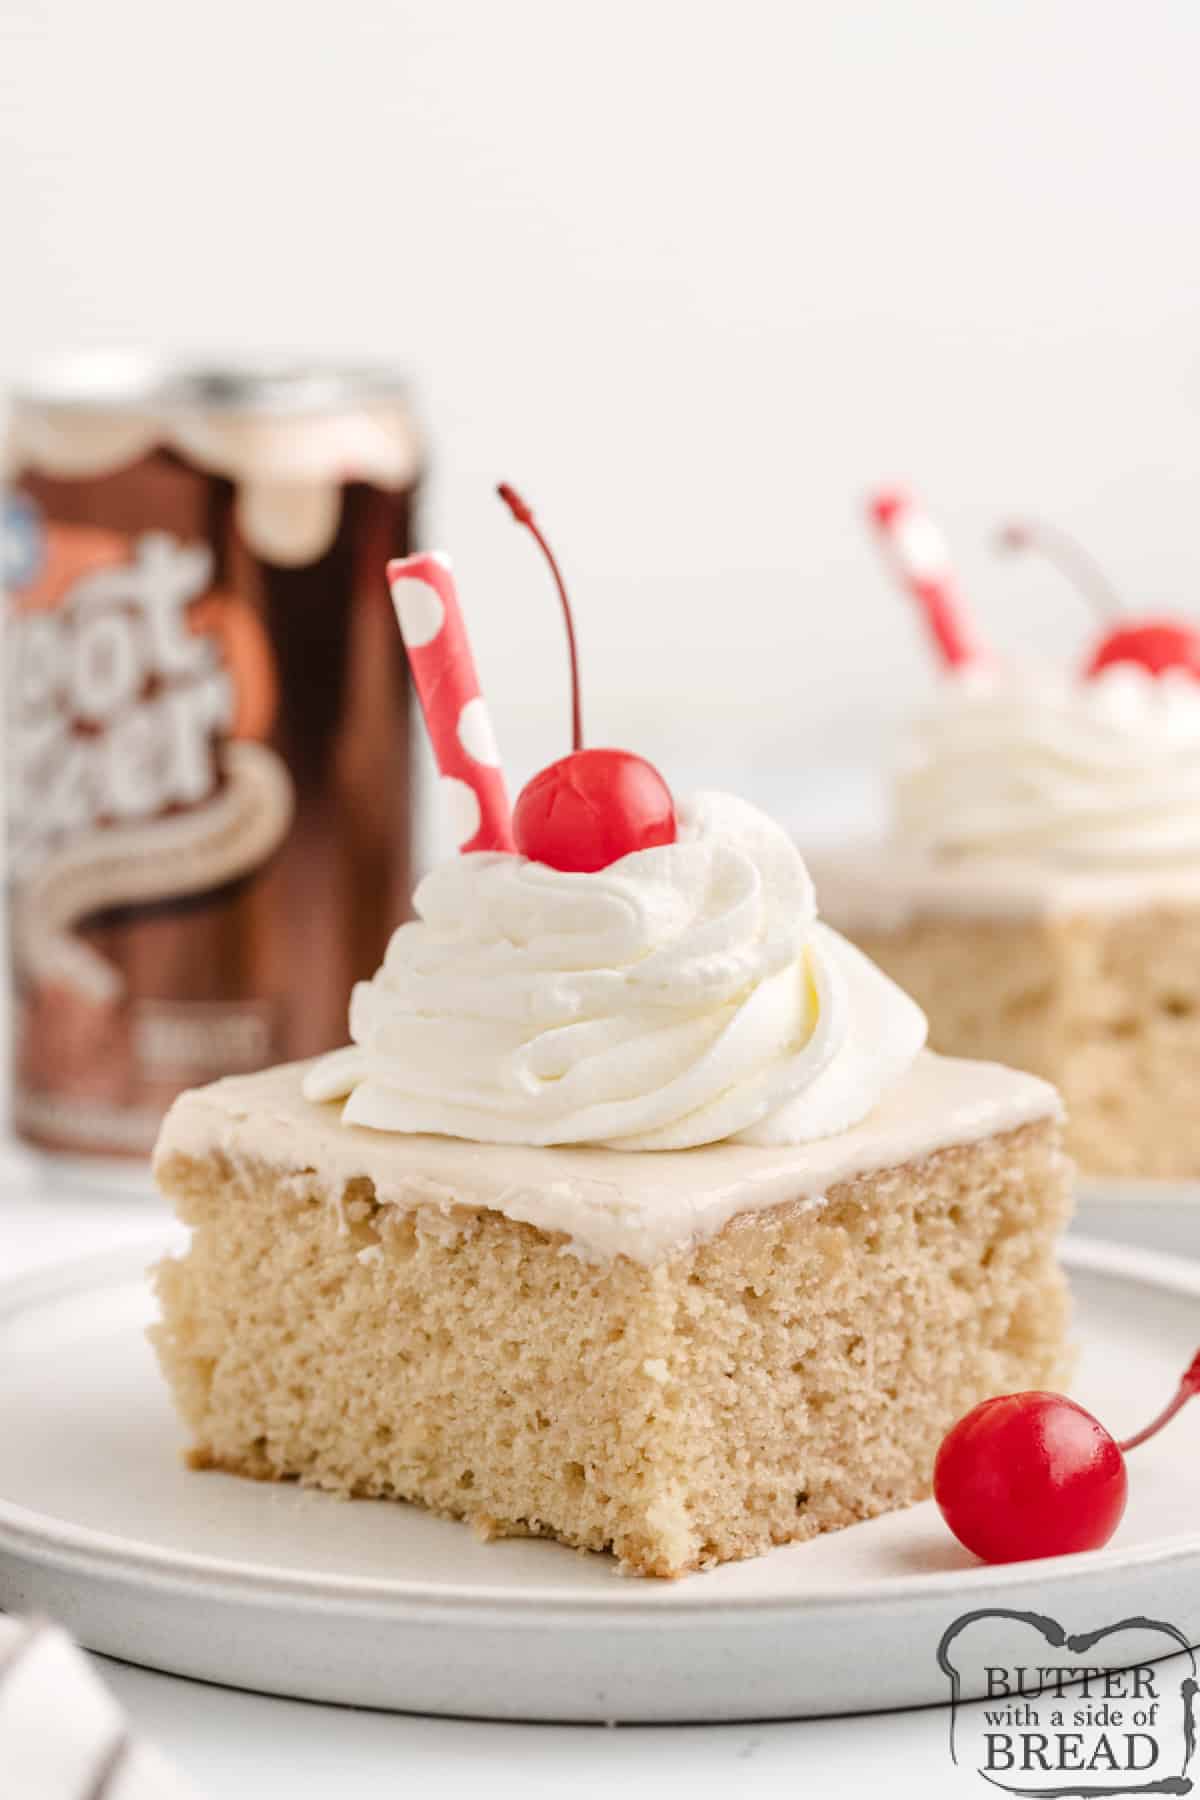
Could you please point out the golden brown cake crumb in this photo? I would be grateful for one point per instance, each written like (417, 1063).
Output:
(790, 1375)
(1107, 1007)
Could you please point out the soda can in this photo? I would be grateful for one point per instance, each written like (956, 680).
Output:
(210, 784)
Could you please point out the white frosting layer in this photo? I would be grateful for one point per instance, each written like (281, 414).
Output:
(606, 1202)
(1082, 774)
(682, 996)
(882, 886)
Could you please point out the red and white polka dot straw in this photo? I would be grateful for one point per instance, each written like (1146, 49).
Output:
(920, 558)
(456, 717)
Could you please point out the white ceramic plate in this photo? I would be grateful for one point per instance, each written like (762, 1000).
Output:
(293, 1592)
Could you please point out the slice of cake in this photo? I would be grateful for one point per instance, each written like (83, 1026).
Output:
(684, 1356)
(636, 1214)
(647, 1223)
(1039, 889)
(1039, 896)
(1090, 979)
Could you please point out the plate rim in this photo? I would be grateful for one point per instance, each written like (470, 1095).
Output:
(1134, 1190)
(33, 1535)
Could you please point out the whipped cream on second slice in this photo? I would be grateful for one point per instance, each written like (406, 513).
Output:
(1098, 773)
(681, 996)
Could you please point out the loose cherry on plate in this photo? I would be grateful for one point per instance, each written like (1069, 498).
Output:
(1153, 644)
(590, 808)
(1031, 1475)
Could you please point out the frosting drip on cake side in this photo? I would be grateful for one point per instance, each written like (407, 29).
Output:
(682, 996)
(1080, 774)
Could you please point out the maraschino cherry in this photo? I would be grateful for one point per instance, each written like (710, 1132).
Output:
(1032, 1475)
(590, 808)
(1157, 645)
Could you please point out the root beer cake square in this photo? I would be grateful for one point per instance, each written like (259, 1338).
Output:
(635, 1214)
(1038, 891)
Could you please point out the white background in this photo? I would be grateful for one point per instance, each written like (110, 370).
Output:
(694, 275)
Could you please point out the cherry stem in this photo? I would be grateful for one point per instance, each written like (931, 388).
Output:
(523, 514)
(1069, 558)
(1188, 1388)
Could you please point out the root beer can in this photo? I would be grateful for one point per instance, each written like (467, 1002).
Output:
(209, 790)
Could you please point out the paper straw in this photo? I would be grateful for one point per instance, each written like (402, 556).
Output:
(456, 716)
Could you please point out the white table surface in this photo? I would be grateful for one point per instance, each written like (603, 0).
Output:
(231, 1745)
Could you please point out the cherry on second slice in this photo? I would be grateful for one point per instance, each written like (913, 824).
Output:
(1154, 644)
(1031, 1475)
(594, 806)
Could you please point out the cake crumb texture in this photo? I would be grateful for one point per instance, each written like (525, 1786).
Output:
(790, 1375)
(1106, 1007)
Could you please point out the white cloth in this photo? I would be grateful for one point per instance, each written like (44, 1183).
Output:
(62, 1735)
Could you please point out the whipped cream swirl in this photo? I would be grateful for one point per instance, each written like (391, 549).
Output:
(683, 995)
(1100, 772)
